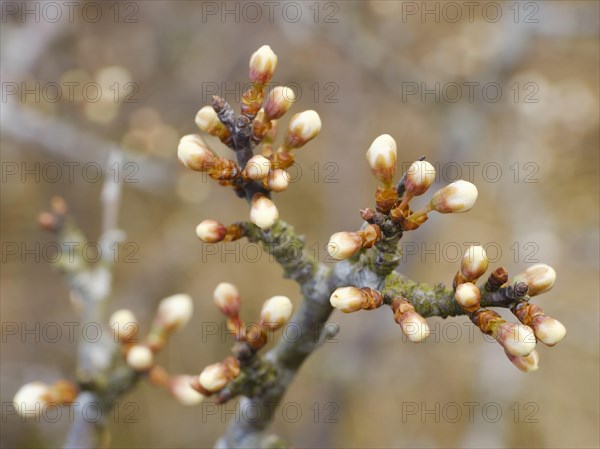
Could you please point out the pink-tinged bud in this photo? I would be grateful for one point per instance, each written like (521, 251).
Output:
(381, 156)
(303, 127)
(348, 299)
(175, 311)
(194, 153)
(31, 399)
(548, 330)
(460, 196)
(214, 377)
(124, 325)
(227, 299)
(211, 231)
(280, 100)
(516, 339)
(419, 177)
(140, 358)
(474, 263)
(278, 180)
(181, 389)
(257, 168)
(539, 277)
(468, 296)
(414, 327)
(263, 212)
(208, 121)
(343, 245)
(262, 65)
(275, 312)
(526, 364)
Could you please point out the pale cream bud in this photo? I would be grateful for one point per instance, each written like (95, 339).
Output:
(348, 299)
(208, 120)
(275, 312)
(181, 389)
(278, 180)
(419, 177)
(526, 364)
(140, 358)
(460, 196)
(214, 377)
(262, 65)
(303, 127)
(263, 212)
(175, 311)
(124, 325)
(474, 263)
(194, 153)
(343, 245)
(31, 399)
(548, 330)
(539, 277)
(280, 100)
(381, 157)
(227, 298)
(414, 327)
(211, 231)
(257, 168)
(468, 296)
(517, 339)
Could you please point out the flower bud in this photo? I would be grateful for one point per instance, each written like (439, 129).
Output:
(419, 177)
(208, 121)
(348, 299)
(257, 168)
(468, 296)
(227, 299)
(275, 312)
(211, 231)
(539, 277)
(180, 387)
(526, 364)
(175, 311)
(459, 196)
(31, 399)
(343, 245)
(381, 157)
(263, 212)
(214, 377)
(278, 180)
(262, 65)
(548, 330)
(194, 153)
(303, 127)
(414, 327)
(474, 263)
(516, 339)
(280, 100)
(140, 358)
(124, 325)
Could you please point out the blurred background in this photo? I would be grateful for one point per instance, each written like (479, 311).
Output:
(503, 94)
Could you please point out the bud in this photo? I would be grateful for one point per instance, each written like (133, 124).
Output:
(262, 65)
(31, 399)
(539, 277)
(140, 358)
(214, 377)
(414, 326)
(343, 245)
(548, 330)
(419, 177)
(227, 299)
(280, 100)
(278, 180)
(124, 325)
(275, 312)
(468, 296)
(181, 388)
(263, 212)
(474, 263)
(194, 153)
(517, 339)
(211, 231)
(303, 127)
(257, 168)
(348, 299)
(526, 364)
(459, 196)
(208, 121)
(175, 311)
(381, 157)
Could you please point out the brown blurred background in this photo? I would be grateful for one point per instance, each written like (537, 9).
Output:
(504, 94)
